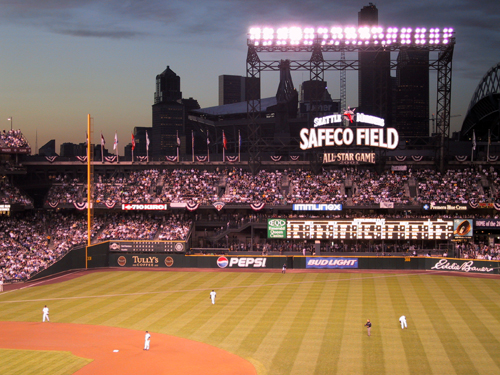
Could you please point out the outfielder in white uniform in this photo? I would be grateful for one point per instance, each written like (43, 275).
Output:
(45, 314)
(212, 296)
(147, 338)
(402, 320)
(1, 285)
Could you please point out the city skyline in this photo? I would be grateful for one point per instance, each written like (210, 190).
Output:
(63, 60)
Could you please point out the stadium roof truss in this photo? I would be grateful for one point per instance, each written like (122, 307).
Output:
(348, 39)
(483, 113)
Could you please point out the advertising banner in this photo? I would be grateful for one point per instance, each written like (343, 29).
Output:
(463, 265)
(276, 228)
(331, 262)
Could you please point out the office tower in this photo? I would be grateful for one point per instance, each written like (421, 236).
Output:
(235, 89)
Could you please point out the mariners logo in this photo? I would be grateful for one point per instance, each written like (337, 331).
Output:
(222, 262)
(179, 246)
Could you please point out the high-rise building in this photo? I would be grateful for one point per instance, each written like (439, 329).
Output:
(236, 89)
(168, 114)
(374, 74)
(412, 93)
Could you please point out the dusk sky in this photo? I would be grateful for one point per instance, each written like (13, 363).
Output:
(63, 59)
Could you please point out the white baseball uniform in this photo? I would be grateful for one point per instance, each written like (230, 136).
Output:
(45, 314)
(147, 338)
(212, 296)
(402, 320)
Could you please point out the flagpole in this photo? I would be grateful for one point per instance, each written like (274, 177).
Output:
(488, 151)
(223, 147)
(208, 150)
(473, 145)
(102, 148)
(192, 145)
(147, 146)
(178, 144)
(239, 146)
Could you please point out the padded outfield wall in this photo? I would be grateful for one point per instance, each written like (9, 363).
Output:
(99, 256)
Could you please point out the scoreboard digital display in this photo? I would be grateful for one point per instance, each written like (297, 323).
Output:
(369, 229)
(147, 246)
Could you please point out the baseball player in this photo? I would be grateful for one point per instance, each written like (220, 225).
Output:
(45, 311)
(402, 320)
(283, 270)
(368, 326)
(1, 285)
(147, 338)
(212, 296)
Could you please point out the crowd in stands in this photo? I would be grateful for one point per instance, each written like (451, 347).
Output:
(33, 241)
(357, 187)
(13, 138)
(10, 194)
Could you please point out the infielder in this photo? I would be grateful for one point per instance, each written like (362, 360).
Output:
(147, 338)
(402, 320)
(45, 314)
(368, 326)
(212, 296)
(1, 285)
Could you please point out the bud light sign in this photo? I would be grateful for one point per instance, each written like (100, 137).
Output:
(329, 262)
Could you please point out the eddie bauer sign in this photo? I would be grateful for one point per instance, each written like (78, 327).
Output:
(460, 266)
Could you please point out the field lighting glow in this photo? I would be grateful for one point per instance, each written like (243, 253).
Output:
(349, 35)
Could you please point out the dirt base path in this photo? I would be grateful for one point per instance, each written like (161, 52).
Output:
(168, 354)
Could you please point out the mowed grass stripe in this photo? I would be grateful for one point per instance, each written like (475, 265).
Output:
(301, 310)
(329, 351)
(34, 362)
(393, 338)
(452, 344)
(416, 358)
(236, 304)
(351, 353)
(373, 350)
(486, 301)
(485, 339)
(308, 354)
(268, 330)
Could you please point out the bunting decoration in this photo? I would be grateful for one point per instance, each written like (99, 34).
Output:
(275, 158)
(417, 157)
(492, 158)
(110, 159)
(257, 206)
(294, 157)
(232, 159)
(110, 204)
(400, 158)
(141, 158)
(191, 206)
(83, 159)
(171, 158)
(473, 204)
(80, 206)
(53, 204)
(202, 159)
(51, 159)
(461, 158)
(497, 206)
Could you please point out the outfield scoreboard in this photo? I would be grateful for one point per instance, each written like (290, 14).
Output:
(368, 229)
(147, 246)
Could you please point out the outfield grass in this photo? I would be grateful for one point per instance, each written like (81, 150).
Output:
(298, 323)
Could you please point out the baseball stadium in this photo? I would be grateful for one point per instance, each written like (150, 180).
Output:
(307, 218)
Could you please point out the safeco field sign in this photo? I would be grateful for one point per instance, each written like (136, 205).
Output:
(276, 228)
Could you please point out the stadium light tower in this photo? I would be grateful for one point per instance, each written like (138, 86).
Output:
(338, 38)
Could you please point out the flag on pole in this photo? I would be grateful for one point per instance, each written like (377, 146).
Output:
(474, 140)
(178, 139)
(224, 140)
(147, 142)
(133, 141)
(115, 145)
(208, 139)
(103, 141)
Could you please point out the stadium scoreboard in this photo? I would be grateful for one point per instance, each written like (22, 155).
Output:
(147, 246)
(368, 229)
